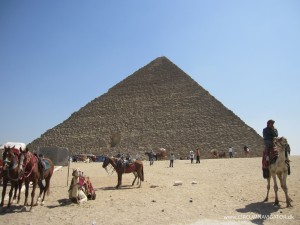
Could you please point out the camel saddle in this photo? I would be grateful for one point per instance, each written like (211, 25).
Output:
(272, 159)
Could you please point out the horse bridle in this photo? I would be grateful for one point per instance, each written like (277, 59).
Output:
(8, 164)
(22, 167)
(111, 167)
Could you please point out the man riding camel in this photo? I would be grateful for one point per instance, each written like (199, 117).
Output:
(269, 133)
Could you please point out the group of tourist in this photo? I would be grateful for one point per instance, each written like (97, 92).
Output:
(269, 133)
(191, 157)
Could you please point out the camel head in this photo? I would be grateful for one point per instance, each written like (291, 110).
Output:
(280, 143)
(76, 173)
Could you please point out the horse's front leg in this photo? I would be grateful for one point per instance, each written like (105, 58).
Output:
(26, 193)
(3, 191)
(16, 191)
(20, 183)
(119, 179)
(33, 194)
(12, 188)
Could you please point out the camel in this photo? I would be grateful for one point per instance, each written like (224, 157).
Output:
(76, 194)
(216, 154)
(280, 169)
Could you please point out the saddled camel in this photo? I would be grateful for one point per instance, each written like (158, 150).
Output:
(280, 169)
(216, 154)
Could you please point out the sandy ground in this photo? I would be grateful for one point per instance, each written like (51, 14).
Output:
(227, 191)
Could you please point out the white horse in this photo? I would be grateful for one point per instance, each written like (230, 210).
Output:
(76, 193)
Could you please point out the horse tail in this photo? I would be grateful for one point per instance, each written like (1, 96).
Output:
(50, 176)
(48, 190)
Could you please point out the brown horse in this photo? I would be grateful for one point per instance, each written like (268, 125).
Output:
(10, 173)
(29, 169)
(135, 167)
(160, 155)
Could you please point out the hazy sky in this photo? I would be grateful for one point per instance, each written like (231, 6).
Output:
(57, 56)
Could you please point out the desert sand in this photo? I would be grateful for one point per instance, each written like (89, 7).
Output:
(216, 191)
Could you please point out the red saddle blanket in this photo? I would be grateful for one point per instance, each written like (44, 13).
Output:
(272, 157)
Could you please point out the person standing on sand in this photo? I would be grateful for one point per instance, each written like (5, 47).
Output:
(230, 151)
(197, 155)
(172, 158)
(192, 156)
(151, 158)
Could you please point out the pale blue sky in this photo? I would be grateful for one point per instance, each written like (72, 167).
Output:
(56, 56)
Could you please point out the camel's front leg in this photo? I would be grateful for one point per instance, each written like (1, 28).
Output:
(285, 189)
(268, 190)
(275, 190)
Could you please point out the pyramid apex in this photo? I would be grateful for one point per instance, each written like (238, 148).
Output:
(161, 58)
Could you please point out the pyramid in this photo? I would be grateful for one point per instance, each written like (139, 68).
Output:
(158, 106)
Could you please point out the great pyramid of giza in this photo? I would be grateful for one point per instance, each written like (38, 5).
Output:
(158, 106)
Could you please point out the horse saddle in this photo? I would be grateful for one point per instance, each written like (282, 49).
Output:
(46, 164)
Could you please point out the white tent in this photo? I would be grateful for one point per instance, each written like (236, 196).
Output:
(16, 145)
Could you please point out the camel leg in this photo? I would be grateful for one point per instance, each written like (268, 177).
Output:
(275, 190)
(285, 189)
(268, 190)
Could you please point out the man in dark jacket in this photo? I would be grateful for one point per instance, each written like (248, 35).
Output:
(269, 133)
